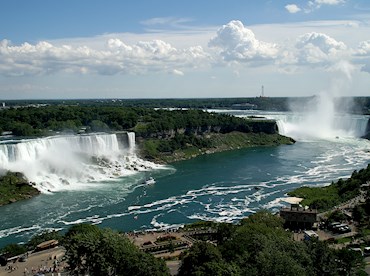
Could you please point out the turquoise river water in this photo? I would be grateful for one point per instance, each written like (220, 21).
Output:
(220, 187)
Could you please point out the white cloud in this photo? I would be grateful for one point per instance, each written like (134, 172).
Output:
(329, 2)
(177, 72)
(319, 49)
(237, 43)
(362, 54)
(117, 57)
(317, 4)
(232, 45)
(363, 48)
(166, 21)
(292, 8)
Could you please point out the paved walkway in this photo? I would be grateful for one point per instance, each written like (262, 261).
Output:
(39, 261)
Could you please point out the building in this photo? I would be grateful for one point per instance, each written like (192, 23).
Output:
(296, 216)
(46, 245)
(244, 106)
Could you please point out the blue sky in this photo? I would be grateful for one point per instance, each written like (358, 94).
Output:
(165, 49)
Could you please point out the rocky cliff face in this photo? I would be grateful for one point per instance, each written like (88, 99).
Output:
(257, 126)
(268, 127)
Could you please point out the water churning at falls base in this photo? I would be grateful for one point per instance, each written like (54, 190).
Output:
(72, 162)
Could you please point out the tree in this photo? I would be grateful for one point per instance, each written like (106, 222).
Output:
(348, 262)
(274, 261)
(359, 213)
(22, 129)
(224, 232)
(94, 251)
(323, 258)
(14, 249)
(44, 236)
(204, 259)
(337, 216)
(97, 125)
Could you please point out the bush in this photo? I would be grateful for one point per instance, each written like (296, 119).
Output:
(14, 249)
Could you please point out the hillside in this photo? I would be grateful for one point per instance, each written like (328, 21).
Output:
(324, 198)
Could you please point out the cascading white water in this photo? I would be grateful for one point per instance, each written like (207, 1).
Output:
(320, 120)
(302, 126)
(71, 162)
(131, 141)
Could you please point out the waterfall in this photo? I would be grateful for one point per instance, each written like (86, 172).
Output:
(34, 149)
(301, 126)
(131, 140)
(71, 162)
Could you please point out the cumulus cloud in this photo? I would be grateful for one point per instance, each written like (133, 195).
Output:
(238, 43)
(363, 48)
(319, 49)
(115, 58)
(233, 44)
(292, 8)
(362, 54)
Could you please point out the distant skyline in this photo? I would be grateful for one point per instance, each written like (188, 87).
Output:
(183, 49)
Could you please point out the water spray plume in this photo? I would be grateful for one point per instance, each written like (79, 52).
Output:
(319, 115)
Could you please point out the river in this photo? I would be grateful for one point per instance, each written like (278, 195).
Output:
(220, 187)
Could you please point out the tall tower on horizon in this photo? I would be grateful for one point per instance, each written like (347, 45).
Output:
(262, 92)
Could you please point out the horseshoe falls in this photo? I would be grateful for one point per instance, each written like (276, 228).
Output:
(99, 179)
(303, 126)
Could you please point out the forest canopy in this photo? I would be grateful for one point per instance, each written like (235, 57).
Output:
(37, 121)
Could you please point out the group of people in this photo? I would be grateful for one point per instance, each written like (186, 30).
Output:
(43, 269)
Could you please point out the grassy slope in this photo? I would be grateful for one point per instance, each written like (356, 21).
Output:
(327, 196)
(324, 198)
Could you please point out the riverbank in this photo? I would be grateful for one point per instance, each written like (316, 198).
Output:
(325, 198)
